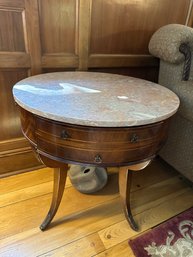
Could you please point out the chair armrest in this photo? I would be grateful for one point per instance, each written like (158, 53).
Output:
(166, 41)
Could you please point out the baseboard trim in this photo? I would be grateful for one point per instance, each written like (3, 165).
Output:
(16, 156)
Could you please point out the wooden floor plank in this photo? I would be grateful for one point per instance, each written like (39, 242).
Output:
(65, 233)
(27, 193)
(24, 180)
(71, 228)
(120, 250)
(152, 174)
(86, 225)
(120, 231)
(168, 186)
(30, 213)
(70, 196)
(155, 194)
(28, 179)
(86, 246)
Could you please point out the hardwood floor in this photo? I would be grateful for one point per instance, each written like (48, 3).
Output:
(85, 225)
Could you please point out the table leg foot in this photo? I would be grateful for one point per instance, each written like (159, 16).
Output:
(124, 188)
(46, 221)
(60, 175)
(131, 221)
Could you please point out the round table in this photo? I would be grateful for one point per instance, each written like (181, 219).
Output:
(97, 119)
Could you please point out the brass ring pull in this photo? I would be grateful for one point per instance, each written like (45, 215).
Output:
(134, 138)
(98, 158)
(64, 135)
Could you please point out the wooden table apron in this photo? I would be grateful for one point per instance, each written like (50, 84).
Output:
(58, 144)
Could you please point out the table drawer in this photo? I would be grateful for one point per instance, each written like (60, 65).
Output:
(66, 134)
(99, 146)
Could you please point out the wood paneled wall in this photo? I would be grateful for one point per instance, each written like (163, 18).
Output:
(44, 35)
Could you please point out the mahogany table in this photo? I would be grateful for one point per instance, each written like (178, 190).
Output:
(94, 119)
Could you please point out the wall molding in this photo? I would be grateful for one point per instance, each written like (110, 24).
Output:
(14, 60)
(120, 60)
(60, 61)
(16, 156)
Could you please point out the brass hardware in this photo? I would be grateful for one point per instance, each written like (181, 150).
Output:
(64, 135)
(134, 138)
(98, 158)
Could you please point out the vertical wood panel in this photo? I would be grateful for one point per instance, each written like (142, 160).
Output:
(84, 33)
(18, 55)
(10, 123)
(32, 35)
(11, 31)
(58, 26)
(125, 26)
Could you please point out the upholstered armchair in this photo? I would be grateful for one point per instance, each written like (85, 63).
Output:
(173, 45)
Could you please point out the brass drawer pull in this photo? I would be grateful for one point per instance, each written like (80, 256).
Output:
(98, 158)
(134, 138)
(64, 135)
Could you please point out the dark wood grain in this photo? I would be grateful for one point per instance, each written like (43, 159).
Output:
(83, 144)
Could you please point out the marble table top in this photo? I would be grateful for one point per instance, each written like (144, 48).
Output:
(95, 99)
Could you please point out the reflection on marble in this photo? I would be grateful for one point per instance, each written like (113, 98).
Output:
(66, 88)
(95, 99)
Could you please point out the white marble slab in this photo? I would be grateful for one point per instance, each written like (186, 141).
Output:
(95, 99)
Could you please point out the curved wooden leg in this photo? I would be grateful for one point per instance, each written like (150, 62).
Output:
(60, 175)
(125, 176)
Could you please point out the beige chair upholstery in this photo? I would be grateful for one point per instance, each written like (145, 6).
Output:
(173, 45)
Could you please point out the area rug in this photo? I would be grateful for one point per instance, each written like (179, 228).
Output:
(173, 238)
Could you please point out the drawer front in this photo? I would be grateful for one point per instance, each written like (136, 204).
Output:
(99, 146)
(99, 157)
(66, 134)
